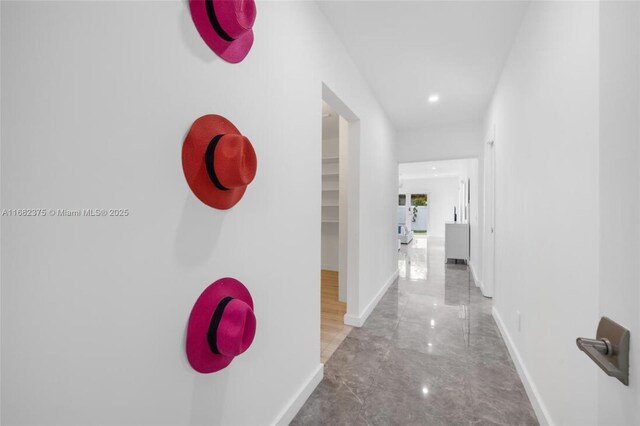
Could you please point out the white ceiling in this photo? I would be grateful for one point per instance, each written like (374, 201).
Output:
(407, 50)
(433, 169)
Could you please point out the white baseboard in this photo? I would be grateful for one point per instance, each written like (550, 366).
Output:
(544, 418)
(358, 321)
(286, 416)
(481, 285)
(473, 274)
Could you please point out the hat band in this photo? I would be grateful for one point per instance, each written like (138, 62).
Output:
(208, 160)
(215, 323)
(211, 12)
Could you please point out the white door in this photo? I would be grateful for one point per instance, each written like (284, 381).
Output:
(619, 201)
(488, 263)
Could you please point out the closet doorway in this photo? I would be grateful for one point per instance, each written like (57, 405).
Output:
(333, 295)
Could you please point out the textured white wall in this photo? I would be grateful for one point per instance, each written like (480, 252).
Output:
(96, 100)
(545, 113)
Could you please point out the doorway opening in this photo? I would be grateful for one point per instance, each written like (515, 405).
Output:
(439, 203)
(333, 304)
(339, 227)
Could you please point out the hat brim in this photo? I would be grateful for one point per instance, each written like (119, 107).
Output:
(231, 51)
(195, 169)
(198, 351)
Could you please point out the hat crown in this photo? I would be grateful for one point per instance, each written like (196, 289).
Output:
(236, 16)
(245, 13)
(237, 328)
(234, 161)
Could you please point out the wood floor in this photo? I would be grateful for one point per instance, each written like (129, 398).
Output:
(332, 327)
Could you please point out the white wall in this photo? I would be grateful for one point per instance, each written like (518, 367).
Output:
(377, 209)
(459, 140)
(545, 113)
(475, 228)
(442, 197)
(96, 100)
(471, 172)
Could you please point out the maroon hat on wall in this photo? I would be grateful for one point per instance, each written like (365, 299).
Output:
(226, 26)
(218, 161)
(222, 325)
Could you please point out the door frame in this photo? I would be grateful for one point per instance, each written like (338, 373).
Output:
(349, 212)
(489, 242)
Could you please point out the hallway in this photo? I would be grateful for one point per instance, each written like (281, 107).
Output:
(430, 353)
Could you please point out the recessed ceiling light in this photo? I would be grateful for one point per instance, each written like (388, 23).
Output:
(436, 175)
(433, 168)
(434, 98)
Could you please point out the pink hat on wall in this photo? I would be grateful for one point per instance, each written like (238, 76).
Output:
(226, 26)
(222, 325)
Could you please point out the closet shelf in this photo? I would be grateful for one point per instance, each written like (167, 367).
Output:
(330, 160)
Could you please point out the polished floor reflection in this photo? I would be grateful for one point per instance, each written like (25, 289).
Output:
(429, 354)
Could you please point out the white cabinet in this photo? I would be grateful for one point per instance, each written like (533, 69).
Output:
(456, 241)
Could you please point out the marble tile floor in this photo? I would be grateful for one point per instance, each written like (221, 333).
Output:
(429, 354)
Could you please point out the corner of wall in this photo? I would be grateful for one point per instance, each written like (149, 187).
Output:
(359, 320)
(295, 404)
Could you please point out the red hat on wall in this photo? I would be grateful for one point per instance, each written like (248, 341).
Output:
(218, 161)
(222, 325)
(226, 26)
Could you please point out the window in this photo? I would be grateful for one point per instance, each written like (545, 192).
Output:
(418, 199)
